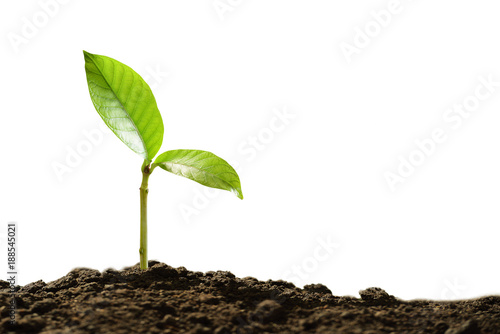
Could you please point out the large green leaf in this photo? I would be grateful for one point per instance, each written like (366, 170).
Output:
(125, 103)
(201, 166)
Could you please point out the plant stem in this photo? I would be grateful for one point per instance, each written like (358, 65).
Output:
(143, 250)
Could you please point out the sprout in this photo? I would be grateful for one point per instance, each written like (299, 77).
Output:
(127, 106)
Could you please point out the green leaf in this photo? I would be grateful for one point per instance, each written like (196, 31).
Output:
(125, 103)
(201, 166)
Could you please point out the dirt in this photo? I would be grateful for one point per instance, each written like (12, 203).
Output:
(164, 299)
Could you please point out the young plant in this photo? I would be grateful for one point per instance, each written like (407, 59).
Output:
(127, 106)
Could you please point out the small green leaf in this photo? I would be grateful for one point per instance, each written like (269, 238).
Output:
(125, 103)
(201, 166)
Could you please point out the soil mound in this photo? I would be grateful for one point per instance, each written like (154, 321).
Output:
(164, 299)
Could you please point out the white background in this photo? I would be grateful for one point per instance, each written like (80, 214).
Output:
(220, 75)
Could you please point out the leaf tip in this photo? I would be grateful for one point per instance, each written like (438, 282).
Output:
(87, 55)
(238, 193)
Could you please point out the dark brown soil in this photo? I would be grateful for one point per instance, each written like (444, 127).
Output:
(174, 300)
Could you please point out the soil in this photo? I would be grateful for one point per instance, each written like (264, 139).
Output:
(164, 299)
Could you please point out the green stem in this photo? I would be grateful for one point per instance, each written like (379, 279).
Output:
(143, 250)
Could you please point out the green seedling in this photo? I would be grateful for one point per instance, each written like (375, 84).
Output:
(126, 104)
